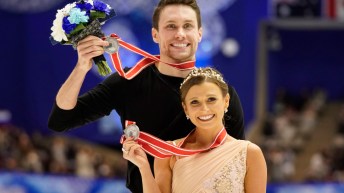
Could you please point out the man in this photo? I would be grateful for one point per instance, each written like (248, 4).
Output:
(151, 99)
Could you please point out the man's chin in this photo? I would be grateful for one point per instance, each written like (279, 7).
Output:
(182, 58)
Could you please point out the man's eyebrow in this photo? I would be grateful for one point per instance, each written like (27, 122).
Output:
(185, 21)
(189, 21)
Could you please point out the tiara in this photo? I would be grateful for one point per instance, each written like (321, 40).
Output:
(205, 72)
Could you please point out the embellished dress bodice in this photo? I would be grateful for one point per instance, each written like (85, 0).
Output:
(220, 170)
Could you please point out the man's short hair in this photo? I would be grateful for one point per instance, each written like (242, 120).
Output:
(163, 3)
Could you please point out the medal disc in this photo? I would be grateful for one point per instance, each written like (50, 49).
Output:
(132, 131)
(113, 46)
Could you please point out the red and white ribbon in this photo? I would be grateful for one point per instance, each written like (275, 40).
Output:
(143, 63)
(162, 149)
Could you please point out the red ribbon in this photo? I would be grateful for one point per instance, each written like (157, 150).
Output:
(143, 63)
(162, 149)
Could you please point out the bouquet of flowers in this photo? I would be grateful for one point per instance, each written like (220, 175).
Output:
(79, 19)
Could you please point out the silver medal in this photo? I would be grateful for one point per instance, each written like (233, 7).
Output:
(113, 46)
(132, 131)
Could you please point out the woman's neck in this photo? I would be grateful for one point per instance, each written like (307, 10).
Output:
(202, 138)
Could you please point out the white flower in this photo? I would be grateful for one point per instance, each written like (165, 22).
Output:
(67, 8)
(57, 31)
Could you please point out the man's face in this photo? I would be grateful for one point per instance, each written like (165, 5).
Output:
(178, 34)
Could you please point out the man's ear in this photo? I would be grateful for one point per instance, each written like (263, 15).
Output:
(155, 35)
(200, 33)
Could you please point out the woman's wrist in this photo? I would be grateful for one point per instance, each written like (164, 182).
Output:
(145, 168)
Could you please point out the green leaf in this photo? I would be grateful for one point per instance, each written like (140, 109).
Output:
(97, 14)
(78, 28)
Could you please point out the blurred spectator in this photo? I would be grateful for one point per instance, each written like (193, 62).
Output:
(287, 128)
(319, 166)
(340, 127)
(328, 164)
(84, 163)
(5, 116)
(21, 152)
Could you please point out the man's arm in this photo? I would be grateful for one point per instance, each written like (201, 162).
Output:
(87, 48)
(65, 114)
(234, 118)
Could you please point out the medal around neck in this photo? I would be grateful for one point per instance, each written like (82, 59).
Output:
(113, 45)
(132, 131)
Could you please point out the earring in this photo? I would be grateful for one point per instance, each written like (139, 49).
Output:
(226, 110)
(187, 117)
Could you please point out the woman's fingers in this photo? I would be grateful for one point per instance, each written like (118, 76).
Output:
(131, 147)
(133, 152)
(124, 151)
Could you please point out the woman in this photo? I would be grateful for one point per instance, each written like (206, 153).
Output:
(234, 166)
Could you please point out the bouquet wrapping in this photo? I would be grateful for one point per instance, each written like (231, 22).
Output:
(78, 20)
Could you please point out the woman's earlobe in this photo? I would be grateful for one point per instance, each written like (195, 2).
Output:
(228, 98)
(184, 108)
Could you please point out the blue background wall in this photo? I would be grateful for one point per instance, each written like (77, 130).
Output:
(32, 70)
(308, 60)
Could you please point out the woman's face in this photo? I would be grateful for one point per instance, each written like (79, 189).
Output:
(205, 105)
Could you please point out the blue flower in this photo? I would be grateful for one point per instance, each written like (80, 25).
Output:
(67, 26)
(77, 16)
(101, 6)
(84, 6)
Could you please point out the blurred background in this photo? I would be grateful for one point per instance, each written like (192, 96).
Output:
(284, 57)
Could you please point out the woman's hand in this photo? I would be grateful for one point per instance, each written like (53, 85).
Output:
(133, 152)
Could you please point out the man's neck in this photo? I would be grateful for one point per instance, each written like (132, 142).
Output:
(171, 71)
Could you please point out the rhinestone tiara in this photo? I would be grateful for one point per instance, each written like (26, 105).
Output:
(206, 72)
